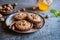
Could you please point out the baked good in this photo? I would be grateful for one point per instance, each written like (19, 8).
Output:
(34, 18)
(20, 16)
(23, 25)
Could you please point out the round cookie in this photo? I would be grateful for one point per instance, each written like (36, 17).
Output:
(34, 18)
(23, 25)
(20, 16)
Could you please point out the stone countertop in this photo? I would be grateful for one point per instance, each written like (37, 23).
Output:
(50, 31)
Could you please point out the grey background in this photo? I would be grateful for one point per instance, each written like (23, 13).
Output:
(50, 31)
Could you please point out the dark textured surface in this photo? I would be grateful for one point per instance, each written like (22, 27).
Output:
(50, 31)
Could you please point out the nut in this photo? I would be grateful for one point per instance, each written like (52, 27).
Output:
(9, 5)
(34, 7)
(47, 16)
(23, 9)
(3, 10)
(0, 7)
(18, 11)
(2, 19)
(12, 27)
(5, 6)
(0, 15)
(15, 4)
(8, 8)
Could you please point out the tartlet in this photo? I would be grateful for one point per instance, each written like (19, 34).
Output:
(20, 16)
(34, 18)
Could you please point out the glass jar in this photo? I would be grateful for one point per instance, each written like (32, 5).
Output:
(44, 4)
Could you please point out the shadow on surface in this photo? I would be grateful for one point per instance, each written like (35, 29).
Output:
(6, 30)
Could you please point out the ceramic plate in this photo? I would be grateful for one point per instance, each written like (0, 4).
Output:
(9, 20)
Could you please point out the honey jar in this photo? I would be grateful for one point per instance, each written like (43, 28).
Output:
(44, 4)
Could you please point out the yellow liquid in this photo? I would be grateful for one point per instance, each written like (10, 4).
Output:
(42, 6)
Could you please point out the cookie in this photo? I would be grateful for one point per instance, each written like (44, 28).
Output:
(20, 16)
(34, 18)
(23, 25)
